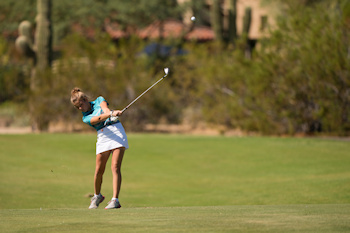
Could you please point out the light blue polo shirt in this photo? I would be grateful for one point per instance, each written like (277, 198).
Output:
(96, 110)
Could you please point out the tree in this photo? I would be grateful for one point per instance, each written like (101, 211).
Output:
(137, 13)
(305, 63)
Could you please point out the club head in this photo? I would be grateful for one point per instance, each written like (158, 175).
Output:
(166, 71)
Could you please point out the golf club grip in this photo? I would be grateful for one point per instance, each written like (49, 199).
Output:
(143, 93)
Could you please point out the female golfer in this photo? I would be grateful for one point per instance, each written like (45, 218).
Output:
(111, 139)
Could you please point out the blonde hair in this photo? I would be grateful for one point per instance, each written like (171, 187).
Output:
(77, 95)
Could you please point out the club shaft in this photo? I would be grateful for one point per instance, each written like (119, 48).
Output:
(143, 93)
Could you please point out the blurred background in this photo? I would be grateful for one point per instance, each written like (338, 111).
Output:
(270, 67)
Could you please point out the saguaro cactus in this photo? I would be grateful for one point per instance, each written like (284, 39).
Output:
(247, 20)
(232, 21)
(41, 50)
(216, 19)
(246, 27)
(40, 53)
(24, 42)
(43, 34)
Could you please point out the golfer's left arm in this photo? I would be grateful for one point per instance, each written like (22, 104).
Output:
(105, 115)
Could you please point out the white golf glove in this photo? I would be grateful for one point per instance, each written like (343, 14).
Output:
(113, 118)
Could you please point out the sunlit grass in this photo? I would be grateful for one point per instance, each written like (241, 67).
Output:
(178, 182)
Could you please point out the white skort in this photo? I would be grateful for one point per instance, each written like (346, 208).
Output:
(111, 137)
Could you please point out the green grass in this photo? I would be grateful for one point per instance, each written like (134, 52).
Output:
(249, 218)
(174, 183)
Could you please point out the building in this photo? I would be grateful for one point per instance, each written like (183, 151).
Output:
(262, 15)
(261, 18)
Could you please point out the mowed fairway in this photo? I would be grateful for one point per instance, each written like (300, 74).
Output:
(177, 183)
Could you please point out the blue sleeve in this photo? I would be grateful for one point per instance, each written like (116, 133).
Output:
(99, 100)
(96, 110)
(87, 119)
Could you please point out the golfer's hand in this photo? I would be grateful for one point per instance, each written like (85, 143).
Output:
(117, 113)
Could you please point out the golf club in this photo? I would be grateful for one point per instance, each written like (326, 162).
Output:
(166, 71)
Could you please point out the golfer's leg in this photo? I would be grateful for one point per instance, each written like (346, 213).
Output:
(101, 160)
(116, 164)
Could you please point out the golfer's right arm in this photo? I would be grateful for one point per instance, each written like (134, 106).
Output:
(105, 115)
(97, 119)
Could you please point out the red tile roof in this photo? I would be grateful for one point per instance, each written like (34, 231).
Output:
(201, 33)
(114, 30)
(167, 29)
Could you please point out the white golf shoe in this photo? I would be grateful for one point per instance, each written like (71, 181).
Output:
(113, 205)
(95, 201)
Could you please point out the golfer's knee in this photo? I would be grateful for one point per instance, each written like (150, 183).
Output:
(115, 168)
